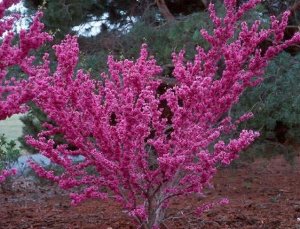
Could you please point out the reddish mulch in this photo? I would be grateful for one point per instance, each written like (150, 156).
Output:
(265, 194)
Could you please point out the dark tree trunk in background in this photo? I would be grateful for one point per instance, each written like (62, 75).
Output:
(164, 10)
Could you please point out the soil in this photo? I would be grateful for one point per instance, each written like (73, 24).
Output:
(264, 194)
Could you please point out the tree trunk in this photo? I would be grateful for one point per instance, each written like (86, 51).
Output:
(156, 212)
(164, 10)
(205, 3)
(155, 218)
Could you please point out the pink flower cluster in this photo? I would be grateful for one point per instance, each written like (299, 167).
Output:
(200, 210)
(14, 93)
(116, 124)
(6, 173)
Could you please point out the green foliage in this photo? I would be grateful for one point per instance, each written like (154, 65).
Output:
(32, 125)
(276, 106)
(162, 41)
(277, 99)
(61, 16)
(9, 153)
(275, 7)
(167, 38)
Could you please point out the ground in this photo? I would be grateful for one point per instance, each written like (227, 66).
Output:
(264, 194)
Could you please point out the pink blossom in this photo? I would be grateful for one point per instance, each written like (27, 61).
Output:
(15, 93)
(207, 207)
(117, 125)
(6, 173)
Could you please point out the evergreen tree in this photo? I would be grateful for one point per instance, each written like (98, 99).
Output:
(64, 15)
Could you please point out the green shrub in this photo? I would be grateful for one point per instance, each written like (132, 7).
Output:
(276, 107)
(9, 154)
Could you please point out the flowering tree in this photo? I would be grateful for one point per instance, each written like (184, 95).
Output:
(15, 93)
(140, 158)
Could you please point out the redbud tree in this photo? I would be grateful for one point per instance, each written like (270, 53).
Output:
(140, 158)
(15, 93)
